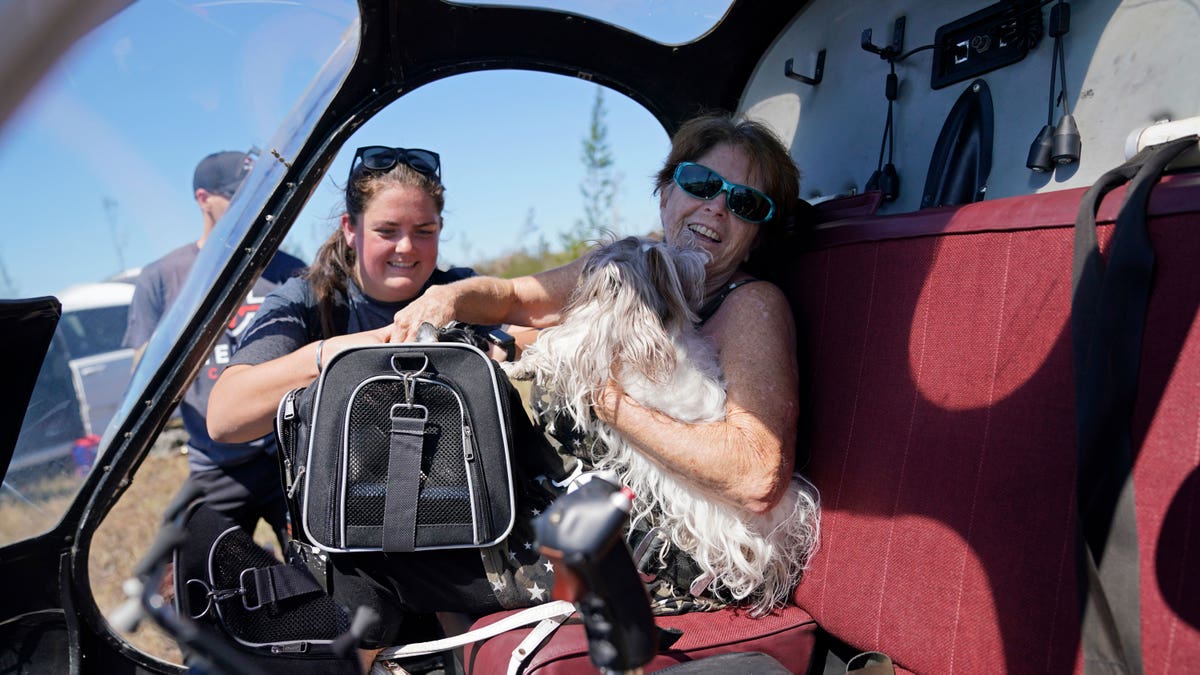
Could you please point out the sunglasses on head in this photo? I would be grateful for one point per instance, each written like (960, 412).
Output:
(742, 201)
(382, 158)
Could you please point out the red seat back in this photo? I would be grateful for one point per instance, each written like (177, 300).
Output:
(943, 434)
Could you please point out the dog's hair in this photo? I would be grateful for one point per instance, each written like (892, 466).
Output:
(631, 319)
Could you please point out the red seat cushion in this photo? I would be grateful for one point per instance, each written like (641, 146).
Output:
(788, 636)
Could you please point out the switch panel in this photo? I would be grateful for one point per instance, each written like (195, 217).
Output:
(993, 37)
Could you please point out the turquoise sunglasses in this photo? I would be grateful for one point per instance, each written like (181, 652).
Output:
(742, 201)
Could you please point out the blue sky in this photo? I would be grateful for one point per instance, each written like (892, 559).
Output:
(97, 165)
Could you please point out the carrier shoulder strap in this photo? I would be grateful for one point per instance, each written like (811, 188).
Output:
(1108, 314)
(400, 498)
(280, 582)
(549, 616)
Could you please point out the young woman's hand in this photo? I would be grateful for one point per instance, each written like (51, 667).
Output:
(331, 346)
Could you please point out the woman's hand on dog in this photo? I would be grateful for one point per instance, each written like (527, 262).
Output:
(608, 403)
(435, 306)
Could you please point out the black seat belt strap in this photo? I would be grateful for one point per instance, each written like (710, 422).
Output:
(1108, 316)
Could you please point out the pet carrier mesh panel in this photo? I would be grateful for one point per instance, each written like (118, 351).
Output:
(400, 448)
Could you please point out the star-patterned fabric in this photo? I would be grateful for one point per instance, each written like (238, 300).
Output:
(520, 576)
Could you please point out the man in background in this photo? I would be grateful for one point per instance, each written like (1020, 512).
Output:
(240, 480)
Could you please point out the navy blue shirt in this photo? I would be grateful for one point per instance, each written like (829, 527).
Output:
(289, 318)
(155, 291)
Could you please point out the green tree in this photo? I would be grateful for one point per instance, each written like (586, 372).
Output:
(598, 189)
(599, 186)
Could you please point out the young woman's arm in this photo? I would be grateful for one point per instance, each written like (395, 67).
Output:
(244, 399)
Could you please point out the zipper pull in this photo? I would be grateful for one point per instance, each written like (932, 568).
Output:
(287, 470)
(293, 648)
(295, 484)
(289, 406)
(468, 444)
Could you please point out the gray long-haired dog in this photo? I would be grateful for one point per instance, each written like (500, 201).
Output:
(631, 319)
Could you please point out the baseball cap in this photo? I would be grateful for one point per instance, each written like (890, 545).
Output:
(222, 173)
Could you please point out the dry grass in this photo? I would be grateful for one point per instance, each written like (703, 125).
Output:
(30, 508)
(126, 533)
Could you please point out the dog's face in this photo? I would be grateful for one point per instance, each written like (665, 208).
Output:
(635, 296)
(666, 279)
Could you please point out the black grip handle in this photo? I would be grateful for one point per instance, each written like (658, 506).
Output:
(582, 530)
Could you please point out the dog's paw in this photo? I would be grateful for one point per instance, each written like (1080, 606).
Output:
(517, 370)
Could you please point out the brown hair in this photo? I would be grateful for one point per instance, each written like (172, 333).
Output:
(771, 161)
(771, 164)
(335, 260)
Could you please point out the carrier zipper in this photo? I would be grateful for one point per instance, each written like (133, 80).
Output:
(479, 496)
(287, 413)
(482, 521)
(293, 485)
(484, 527)
(468, 444)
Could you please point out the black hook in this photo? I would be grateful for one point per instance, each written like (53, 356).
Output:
(891, 51)
(818, 73)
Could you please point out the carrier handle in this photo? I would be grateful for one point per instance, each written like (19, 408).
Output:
(398, 366)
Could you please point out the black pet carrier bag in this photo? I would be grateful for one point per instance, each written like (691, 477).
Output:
(402, 447)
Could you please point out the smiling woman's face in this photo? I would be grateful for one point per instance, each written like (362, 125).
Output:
(708, 224)
(396, 243)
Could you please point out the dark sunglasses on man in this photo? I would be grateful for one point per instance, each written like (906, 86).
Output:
(742, 201)
(383, 158)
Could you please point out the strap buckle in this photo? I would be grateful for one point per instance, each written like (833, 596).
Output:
(242, 590)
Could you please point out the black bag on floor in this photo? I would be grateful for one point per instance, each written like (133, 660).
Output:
(274, 616)
(398, 448)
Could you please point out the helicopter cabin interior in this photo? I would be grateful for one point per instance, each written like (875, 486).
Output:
(934, 308)
(1000, 362)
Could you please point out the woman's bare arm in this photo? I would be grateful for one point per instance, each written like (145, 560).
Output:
(747, 458)
(245, 398)
(535, 301)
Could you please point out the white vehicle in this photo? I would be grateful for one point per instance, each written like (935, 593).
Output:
(87, 361)
(93, 326)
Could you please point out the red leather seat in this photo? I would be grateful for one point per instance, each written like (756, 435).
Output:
(788, 636)
(943, 437)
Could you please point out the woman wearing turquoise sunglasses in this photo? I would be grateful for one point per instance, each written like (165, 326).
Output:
(727, 186)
